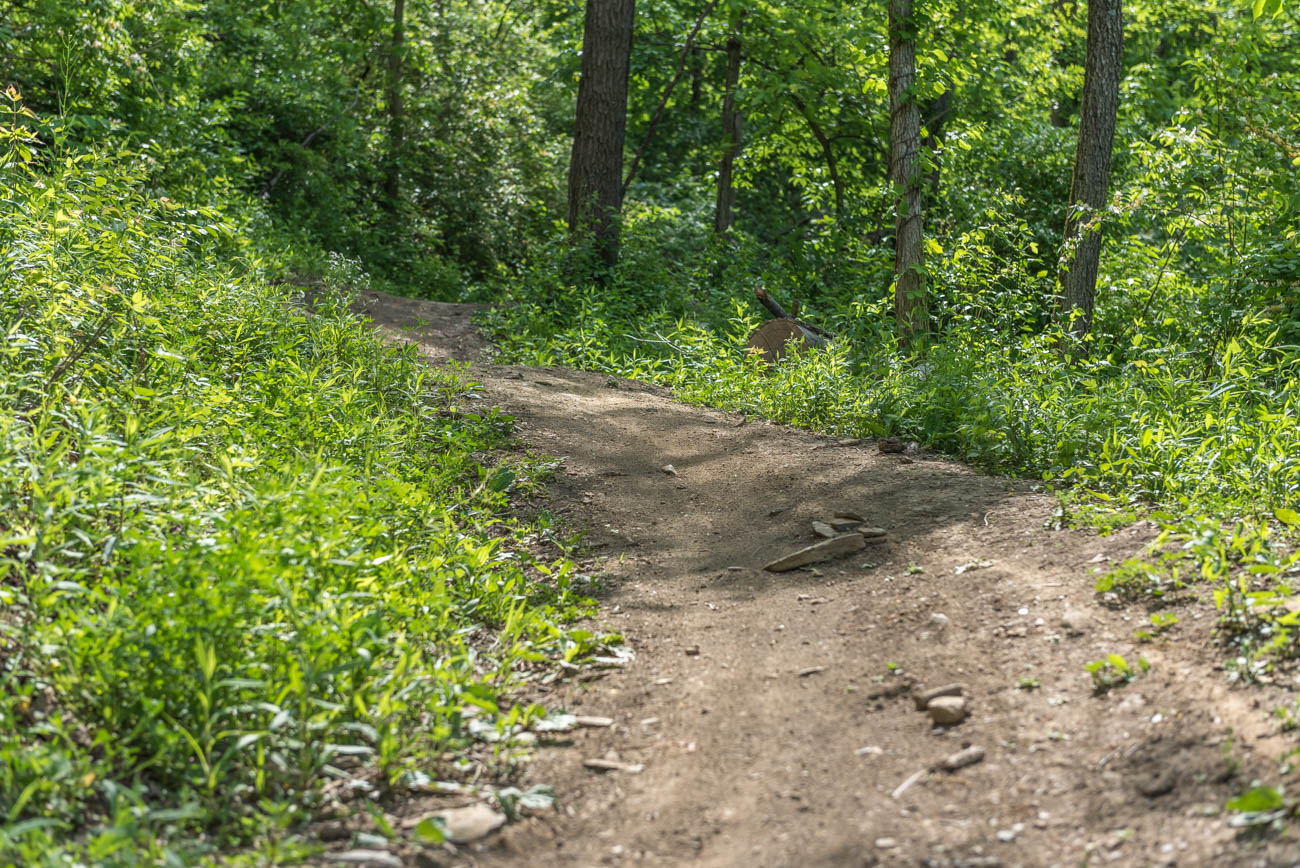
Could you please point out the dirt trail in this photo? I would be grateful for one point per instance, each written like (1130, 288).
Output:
(750, 757)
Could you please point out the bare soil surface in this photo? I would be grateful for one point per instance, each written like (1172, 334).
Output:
(771, 712)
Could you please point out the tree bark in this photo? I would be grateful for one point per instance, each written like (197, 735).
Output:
(600, 127)
(1103, 69)
(733, 129)
(396, 120)
(911, 306)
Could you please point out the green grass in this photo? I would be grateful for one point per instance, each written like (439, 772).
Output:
(245, 550)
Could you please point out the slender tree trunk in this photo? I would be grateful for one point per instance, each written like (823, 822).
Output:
(1088, 192)
(733, 129)
(600, 128)
(668, 92)
(910, 303)
(396, 120)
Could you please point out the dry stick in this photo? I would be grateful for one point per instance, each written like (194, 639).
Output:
(668, 92)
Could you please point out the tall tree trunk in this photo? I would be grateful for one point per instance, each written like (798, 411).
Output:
(1102, 72)
(396, 120)
(911, 306)
(732, 128)
(600, 127)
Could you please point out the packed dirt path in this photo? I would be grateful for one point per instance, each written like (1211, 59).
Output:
(771, 712)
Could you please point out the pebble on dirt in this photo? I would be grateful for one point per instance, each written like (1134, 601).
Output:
(470, 823)
(947, 710)
(373, 858)
(822, 551)
(923, 698)
(605, 765)
(962, 758)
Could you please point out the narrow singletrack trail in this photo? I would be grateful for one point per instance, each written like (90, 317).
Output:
(771, 712)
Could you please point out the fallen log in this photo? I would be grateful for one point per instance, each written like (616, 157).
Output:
(772, 337)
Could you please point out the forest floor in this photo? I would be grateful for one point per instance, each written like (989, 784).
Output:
(771, 712)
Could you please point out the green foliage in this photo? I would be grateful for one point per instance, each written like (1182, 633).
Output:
(245, 549)
(1114, 671)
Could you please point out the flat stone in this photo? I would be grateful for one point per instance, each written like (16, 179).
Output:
(844, 525)
(470, 823)
(608, 765)
(962, 758)
(923, 699)
(1076, 622)
(947, 710)
(592, 720)
(373, 858)
(822, 551)
(824, 530)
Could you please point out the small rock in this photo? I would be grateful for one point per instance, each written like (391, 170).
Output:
(947, 710)
(1159, 784)
(605, 765)
(693, 651)
(1006, 836)
(870, 750)
(939, 619)
(886, 843)
(333, 832)
(871, 532)
(962, 758)
(891, 445)
(669, 469)
(850, 515)
(811, 670)
(825, 550)
(925, 697)
(372, 858)
(905, 460)
(470, 823)
(593, 721)
(1075, 622)
(824, 530)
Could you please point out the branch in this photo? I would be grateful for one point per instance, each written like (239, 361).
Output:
(668, 92)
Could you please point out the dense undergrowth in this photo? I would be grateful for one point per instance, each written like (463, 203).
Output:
(246, 552)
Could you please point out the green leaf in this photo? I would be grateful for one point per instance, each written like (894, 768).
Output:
(1289, 517)
(1258, 799)
(430, 831)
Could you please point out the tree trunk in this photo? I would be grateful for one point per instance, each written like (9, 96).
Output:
(396, 121)
(910, 304)
(600, 127)
(1102, 72)
(732, 128)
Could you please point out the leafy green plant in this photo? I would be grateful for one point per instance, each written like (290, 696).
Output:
(245, 550)
(1113, 671)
